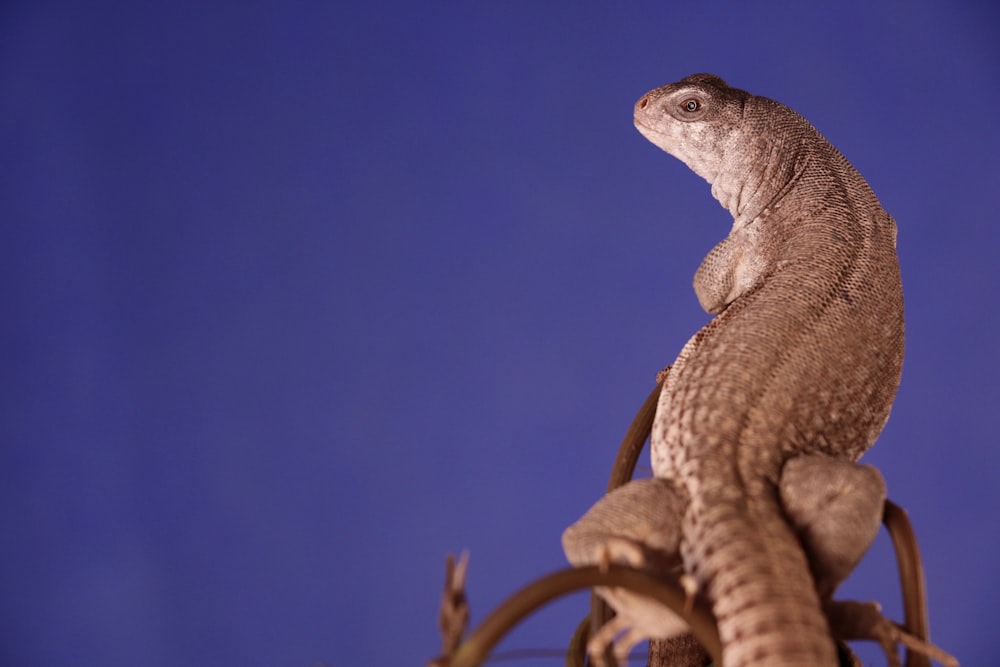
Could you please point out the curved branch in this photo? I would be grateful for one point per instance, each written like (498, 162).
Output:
(911, 578)
(576, 652)
(518, 606)
(634, 440)
(621, 472)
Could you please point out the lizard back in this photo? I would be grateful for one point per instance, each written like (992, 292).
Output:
(804, 355)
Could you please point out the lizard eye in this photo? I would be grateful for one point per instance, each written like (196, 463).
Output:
(690, 105)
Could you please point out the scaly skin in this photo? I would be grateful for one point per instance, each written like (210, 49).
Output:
(804, 356)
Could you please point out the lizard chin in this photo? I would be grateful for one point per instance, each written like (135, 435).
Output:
(664, 142)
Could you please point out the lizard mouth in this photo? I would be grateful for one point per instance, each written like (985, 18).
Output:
(646, 130)
(637, 121)
(654, 136)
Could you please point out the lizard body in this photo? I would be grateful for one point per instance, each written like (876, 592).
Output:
(802, 361)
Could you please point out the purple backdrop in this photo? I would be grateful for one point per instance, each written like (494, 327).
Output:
(300, 296)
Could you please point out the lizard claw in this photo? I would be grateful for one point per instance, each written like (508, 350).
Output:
(690, 586)
(613, 633)
(620, 551)
(864, 620)
(637, 619)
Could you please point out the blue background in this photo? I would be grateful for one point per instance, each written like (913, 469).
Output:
(298, 297)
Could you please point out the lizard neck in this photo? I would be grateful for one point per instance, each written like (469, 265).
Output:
(757, 172)
(749, 193)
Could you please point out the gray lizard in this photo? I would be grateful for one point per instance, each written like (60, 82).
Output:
(756, 498)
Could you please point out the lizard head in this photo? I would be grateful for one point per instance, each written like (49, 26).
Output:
(697, 120)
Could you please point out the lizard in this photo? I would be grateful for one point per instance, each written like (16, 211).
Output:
(767, 407)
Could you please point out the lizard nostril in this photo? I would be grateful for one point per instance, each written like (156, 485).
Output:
(643, 102)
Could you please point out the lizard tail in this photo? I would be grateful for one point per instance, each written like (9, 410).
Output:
(757, 578)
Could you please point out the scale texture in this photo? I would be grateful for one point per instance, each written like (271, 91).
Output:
(801, 363)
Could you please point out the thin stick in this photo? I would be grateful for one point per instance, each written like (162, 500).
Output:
(911, 578)
(518, 606)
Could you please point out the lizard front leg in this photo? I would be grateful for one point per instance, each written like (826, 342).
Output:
(638, 525)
